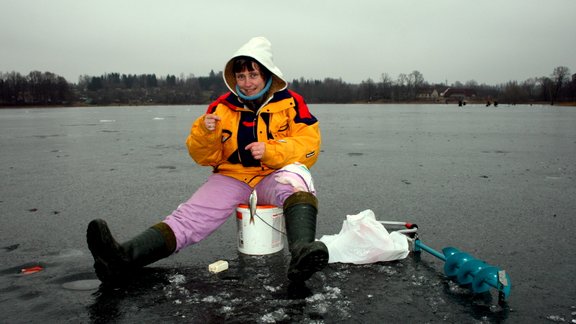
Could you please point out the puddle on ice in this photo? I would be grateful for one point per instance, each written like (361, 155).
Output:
(88, 284)
(250, 292)
(69, 253)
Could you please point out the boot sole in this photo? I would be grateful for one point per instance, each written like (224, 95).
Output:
(100, 240)
(313, 259)
(104, 250)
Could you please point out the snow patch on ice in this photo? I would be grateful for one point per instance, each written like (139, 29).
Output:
(330, 300)
(272, 289)
(457, 289)
(175, 290)
(226, 309)
(329, 293)
(177, 279)
(387, 270)
(555, 318)
(211, 299)
(275, 316)
(418, 280)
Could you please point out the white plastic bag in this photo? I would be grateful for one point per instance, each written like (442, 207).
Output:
(365, 240)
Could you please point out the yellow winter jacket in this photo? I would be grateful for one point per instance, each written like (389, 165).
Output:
(290, 132)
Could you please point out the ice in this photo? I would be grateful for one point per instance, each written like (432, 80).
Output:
(435, 302)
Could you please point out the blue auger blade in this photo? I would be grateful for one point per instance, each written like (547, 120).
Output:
(469, 271)
(492, 277)
(455, 262)
(449, 251)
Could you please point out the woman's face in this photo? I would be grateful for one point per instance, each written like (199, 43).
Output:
(250, 82)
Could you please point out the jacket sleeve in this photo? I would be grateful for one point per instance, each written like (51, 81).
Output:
(204, 146)
(303, 143)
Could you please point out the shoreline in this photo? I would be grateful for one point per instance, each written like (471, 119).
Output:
(474, 103)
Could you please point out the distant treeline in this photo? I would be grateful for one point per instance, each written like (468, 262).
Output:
(47, 89)
(36, 88)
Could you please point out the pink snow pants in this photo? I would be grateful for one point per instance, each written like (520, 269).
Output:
(216, 200)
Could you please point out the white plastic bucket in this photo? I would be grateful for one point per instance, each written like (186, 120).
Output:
(264, 234)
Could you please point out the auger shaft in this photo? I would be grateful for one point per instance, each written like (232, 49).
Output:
(418, 245)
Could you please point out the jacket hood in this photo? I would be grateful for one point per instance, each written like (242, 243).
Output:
(260, 49)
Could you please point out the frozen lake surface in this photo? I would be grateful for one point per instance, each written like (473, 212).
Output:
(497, 183)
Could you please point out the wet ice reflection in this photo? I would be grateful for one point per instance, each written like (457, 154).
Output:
(254, 289)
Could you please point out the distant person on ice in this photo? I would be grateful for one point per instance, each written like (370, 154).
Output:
(259, 136)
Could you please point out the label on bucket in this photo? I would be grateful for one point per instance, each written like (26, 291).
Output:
(263, 233)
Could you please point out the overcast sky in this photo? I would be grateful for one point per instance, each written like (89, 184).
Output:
(489, 41)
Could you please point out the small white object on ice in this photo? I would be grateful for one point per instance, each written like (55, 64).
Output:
(218, 266)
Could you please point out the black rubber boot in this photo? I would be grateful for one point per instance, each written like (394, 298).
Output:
(308, 255)
(114, 261)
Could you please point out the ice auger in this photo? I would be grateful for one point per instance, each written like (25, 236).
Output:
(461, 267)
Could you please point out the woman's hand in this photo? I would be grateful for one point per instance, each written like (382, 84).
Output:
(257, 149)
(210, 121)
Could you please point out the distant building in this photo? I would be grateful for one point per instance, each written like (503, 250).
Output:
(458, 93)
(428, 93)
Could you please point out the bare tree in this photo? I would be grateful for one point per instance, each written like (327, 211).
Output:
(530, 86)
(386, 86)
(415, 82)
(559, 78)
(402, 87)
(513, 93)
(546, 89)
(472, 84)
